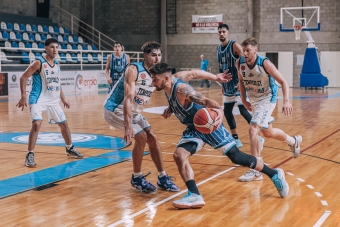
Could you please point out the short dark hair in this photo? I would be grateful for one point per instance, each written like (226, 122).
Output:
(149, 46)
(160, 68)
(51, 40)
(118, 43)
(250, 41)
(223, 26)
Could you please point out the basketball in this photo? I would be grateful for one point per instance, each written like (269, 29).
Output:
(204, 120)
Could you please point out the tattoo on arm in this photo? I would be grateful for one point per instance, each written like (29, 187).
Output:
(192, 95)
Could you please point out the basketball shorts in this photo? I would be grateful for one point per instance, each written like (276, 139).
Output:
(262, 113)
(55, 113)
(220, 139)
(234, 98)
(116, 119)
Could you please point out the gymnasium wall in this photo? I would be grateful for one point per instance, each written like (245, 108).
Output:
(134, 22)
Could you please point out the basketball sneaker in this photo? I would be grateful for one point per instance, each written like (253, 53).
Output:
(261, 142)
(296, 147)
(251, 175)
(190, 200)
(73, 153)
(29, 162)
(166, 183)
(142, 184)
(280, 182)
(238, 143)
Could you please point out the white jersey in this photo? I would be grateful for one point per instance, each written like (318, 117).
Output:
(46, 84)
(260, 86)
(143, 91)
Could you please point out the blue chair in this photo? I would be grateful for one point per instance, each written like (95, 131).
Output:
(34, 28)
(54, 37)
(94, 47)
(28, 45)
(95, 57)
(63, 57)
(5, 35)
(85, 58)
(65, 39)
(56, 30)
(15, 44)
(75, 39)
(63, 46)
(31, 37)
(84, 47)
(43, 37)
(74, 57)
(9, 26)
(104, 57)
(18, 35)
(45, 29)
(22, 27)
(25, 58)
(74, 47)
(37, 55)
(41, 46)
(66, 31)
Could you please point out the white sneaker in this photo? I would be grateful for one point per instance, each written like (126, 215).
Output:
(190, 200)
(296, 147)
(251, 175)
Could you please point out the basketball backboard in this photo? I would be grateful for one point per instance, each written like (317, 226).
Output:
(308, 17)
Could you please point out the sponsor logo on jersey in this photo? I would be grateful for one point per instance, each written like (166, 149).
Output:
(45, 66)
(139, 101)
(251, 75)
(144, 92)
(243, 67)
(143, 76)
(252, 82)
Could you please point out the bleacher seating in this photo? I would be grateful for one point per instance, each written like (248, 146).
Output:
(30, 37)
(4, 58)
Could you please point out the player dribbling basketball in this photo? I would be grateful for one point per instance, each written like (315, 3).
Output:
(184, 102)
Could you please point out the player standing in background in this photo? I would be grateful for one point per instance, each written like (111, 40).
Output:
(116, 64)
(227, 53)
(45, 96)
(258, 78)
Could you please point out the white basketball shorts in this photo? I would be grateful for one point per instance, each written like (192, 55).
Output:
(55, 113)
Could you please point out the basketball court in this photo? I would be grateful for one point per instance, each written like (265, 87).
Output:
(96, 190)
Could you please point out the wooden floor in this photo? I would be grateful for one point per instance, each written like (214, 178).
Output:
(104, 197)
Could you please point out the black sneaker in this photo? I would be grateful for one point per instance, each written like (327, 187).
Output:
(29, 162)
(73, 153)
(142, 184)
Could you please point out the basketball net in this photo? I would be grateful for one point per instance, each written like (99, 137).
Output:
(297, 30)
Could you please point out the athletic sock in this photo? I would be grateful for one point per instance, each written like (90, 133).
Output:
(135, 175)
(31, 151)
(192, 187)
(161, 174)
(69, 146)
(268, 171)
(290, 140)
(235, 136)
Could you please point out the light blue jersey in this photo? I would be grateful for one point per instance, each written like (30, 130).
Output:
(226, 60)
(260, 85)
(117, 66)
(46, 84)
(143, 91)
(217, 139)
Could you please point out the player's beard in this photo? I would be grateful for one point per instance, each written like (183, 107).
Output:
(161, 87)
(222, 39)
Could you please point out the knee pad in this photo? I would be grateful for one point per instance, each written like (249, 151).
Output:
(240, 158)
(189, 146)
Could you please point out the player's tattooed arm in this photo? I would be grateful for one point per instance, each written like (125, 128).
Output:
(192, 95)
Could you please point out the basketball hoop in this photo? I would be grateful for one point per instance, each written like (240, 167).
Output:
(297, 30)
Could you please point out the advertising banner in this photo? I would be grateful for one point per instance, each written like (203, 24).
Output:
(14, 84)
(86, 80)
(206, 23)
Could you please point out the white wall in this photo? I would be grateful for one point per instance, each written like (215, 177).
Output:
(330, 67)
(285, 65)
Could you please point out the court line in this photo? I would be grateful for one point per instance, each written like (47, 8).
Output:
(288, 159)
(166, 199)
(322, 218)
